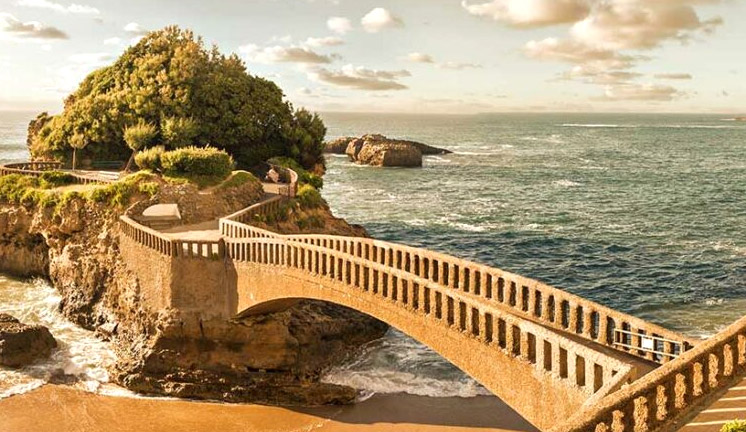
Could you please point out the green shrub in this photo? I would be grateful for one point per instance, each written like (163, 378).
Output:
(14, 187)
(239, 178)
(309, 197)
(140, 135)
(196, 161)
(734, 426)
(304, 177)
(179, 132)
(150, 159)
(53, 179)
(313, 221)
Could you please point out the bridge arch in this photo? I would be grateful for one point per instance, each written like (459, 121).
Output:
(542, 375)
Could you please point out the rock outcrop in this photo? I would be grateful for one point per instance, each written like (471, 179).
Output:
(340, 145)
(387, 154)
(22, 344)
(276, 358)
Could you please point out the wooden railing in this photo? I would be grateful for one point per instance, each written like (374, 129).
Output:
(671, 393)
(548, 351)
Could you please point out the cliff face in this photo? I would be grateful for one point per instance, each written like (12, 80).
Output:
(275, 358)
(341, 145)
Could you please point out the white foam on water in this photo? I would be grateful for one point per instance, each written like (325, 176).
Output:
(567, 183)
(79, 352)
(399, 364)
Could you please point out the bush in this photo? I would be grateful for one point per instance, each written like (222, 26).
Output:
(197, 162)
(304, 177)
(309, 197)
(150, 159)
(53, 179)
(179, 132)
(140, 135)
(734, 426)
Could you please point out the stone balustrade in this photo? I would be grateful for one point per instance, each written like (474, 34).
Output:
(666, 396)
(526, 297)
(36, 169)
(575, 363)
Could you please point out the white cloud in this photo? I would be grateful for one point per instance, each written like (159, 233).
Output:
(113, 41)
(72, 8)
(339, 25)
(280, 54)
(322, 42)
(361, 78)
(67, 77)
(674, 76)
(379, 19)
(12, 27)
(135, 29)
(572, 51)
(641, 24)
(417, 57)
(641, 92)
(531, 13)
(458, 66)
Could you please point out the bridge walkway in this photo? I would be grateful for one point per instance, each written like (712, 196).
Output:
(727, 405)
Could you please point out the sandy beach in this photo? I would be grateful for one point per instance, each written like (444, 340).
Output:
(62, 409)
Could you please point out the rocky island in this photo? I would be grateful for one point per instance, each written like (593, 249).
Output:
(378, 150)
(68, 226)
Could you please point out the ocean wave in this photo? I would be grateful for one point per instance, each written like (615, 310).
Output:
(567, 183)
(650, 126)
(399, 364)
(79, 357)
(467, 153)
(552, 139)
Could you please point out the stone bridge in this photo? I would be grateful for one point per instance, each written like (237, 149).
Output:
(564, 363)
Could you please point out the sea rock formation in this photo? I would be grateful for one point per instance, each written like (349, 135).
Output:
(22, 344)
(276, 358)
(388, 154)
(377, 150)
(340, 145)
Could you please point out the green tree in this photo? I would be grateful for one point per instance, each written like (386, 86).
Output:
(192, 94)
(139, 137)
(179, 132)
(78, 142)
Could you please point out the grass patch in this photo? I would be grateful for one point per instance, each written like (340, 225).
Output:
(36, 192)
(238, 178)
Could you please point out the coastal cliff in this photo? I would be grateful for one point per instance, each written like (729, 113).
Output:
(275, 358)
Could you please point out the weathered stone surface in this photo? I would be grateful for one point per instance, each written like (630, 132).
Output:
(276, 359)
(22, 344)
(341, 145)
(389, 155)
(338, 146)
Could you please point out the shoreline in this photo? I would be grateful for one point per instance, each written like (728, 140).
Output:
(61, 408)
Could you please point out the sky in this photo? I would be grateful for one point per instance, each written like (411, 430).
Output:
(409, 56)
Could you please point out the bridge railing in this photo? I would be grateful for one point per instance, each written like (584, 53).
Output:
(165, 245)
(672, 392)
(36, 169)
(526, 297)
(548, 352)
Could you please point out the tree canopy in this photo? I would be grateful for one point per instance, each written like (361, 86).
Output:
(192, 95)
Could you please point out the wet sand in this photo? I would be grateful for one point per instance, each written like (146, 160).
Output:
(62, 409)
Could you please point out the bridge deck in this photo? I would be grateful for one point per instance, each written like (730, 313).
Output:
(726, 406)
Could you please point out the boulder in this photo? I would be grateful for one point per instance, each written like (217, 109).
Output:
(390, 155)
(342, 145)
(338, 146)
(22, 344)
(354, 147)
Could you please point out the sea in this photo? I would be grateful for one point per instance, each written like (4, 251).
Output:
(644, 213)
